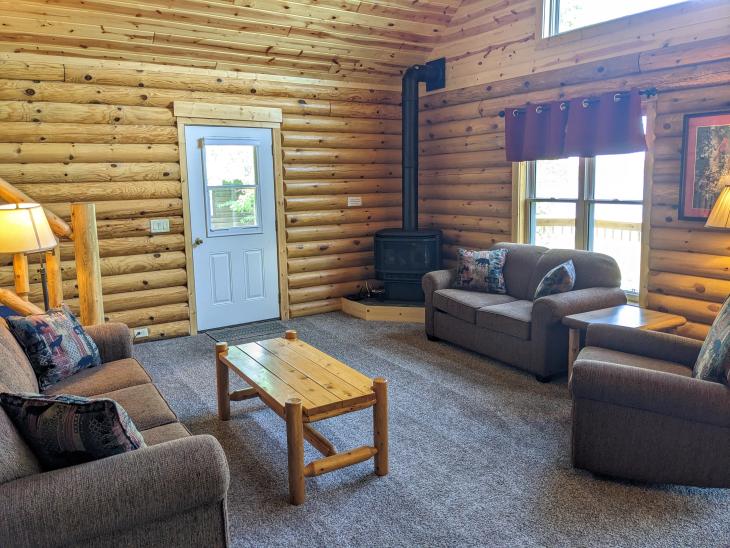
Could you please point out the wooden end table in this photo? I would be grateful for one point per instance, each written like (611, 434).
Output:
(303, 385)
(625, 315)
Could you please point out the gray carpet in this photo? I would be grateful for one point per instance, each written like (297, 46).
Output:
(479, 456)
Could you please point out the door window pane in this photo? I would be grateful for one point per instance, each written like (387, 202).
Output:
(557, 178)
(617, 232)
(555, 224)
(232, 208)
(227, 165)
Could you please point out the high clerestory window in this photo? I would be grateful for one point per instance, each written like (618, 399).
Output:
(561, 16)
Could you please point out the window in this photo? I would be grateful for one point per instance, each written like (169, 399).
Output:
(231, 181)
(565, 15)
(590, 203)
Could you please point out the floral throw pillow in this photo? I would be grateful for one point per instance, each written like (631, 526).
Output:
(67, 430)
(481, 270)
(56, 344)
(558, 280)
(713, 362)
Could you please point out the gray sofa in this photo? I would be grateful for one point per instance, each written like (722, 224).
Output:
(171, 493)
(514, 328)
(638, 414)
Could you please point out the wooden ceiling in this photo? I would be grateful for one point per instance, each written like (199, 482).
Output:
(363, 40)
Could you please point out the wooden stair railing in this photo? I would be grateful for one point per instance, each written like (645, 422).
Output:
(86, 250)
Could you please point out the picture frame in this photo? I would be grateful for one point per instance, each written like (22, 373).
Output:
(705, 158)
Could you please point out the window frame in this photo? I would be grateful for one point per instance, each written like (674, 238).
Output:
(257, 228)
(549, 20)
(585, 204)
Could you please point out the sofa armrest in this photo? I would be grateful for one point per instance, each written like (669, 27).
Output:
(651, 344)
(438, 279)
(553, 308)
(113, 494)
(113, 339)
(655, 391)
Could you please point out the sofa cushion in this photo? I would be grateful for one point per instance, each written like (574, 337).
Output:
(591, 269)
(560, 279)
(518, 267)
(16, 458)
(464, 304)
(67, 430)
(167, 432)
(513, 318)
(144, 404)
(595, 353)
(105, 378)
(16, 374)
(56, 344)
(713, 363)
(481, 270)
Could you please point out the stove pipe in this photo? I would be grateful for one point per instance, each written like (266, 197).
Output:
(433, 73)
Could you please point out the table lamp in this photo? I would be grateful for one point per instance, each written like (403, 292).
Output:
(720, 214)
(24, 229)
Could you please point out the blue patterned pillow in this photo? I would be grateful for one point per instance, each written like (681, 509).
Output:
(713, 362)
(559, 280)
(481, 270)
(56, 344)
(66, 430)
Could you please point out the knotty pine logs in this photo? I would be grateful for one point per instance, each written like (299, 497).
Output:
(107, 135)
(466, 192)
(689, 264)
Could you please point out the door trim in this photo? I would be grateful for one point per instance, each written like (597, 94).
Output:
(182, 123)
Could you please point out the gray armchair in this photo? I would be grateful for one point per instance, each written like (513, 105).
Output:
(514, 328)
(638, 414)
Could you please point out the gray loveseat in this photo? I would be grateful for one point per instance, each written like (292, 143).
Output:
(171, 493)
(514, 328)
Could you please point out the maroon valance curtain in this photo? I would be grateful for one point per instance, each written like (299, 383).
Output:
(609, 124)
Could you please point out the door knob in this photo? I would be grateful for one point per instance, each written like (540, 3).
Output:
(197, 242)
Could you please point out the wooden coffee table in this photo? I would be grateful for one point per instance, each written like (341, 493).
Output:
(303, 385)
(625, 315)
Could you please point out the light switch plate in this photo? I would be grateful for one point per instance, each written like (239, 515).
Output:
(158, 226)
(354, 201)
(141, 332)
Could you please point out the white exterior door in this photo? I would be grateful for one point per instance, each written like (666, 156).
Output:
(233, 226)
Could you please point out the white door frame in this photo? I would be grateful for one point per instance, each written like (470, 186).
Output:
(233, 116)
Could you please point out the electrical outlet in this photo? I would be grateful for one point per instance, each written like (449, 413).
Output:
(158, 226)
(141, 332)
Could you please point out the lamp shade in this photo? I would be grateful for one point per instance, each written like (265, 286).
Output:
(25, 229)
(720, 214)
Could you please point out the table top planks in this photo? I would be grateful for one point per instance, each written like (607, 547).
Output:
(281, 369)
(627, 316)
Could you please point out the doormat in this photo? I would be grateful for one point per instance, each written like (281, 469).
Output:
(252, 331)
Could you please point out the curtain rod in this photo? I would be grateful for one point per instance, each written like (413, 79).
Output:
(649, 92)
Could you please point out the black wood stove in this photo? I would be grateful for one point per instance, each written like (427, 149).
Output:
(404, 255)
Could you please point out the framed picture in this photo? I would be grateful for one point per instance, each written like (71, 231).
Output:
(705, 158)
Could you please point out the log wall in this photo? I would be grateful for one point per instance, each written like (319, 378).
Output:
(106, 133)
(494, 62)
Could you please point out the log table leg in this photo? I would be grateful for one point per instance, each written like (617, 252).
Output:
(222, 382)
(295, 450)
(380, 425)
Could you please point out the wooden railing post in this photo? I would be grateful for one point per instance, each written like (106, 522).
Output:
(53, 273)
(88, 268)
(20, 272)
